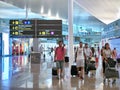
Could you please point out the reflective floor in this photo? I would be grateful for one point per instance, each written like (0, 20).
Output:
(17, 73)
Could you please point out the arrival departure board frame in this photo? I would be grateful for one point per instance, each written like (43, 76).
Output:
(35, 28)
(49, 28)
(22, 28)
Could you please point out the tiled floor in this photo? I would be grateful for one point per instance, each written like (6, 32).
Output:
(18, 74)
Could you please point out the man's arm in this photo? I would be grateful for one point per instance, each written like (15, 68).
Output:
(90, 52)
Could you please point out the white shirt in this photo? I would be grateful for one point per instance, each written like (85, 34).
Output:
(80, 53)
(107, 53)
(87, 51)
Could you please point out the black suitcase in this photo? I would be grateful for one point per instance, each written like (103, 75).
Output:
(74, 70)
(54, 71)
(91, 66)
(66, 59)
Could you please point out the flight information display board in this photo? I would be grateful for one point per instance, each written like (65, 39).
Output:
(49, 28)
(22, 28)
(35, 28)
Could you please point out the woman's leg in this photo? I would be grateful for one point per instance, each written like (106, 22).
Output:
(82, 68)
(82, 73)
(78, 71)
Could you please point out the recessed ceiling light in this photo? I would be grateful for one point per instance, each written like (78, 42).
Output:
(49, 12)
(42, 10)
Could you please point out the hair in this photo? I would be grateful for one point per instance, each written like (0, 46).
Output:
(59, 41)
(106, 45)
(80, 42)
(86, 43)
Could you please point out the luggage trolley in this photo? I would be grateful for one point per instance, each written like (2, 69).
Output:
(110, 70)
(91, 66)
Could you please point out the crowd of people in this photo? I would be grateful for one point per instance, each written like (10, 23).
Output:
(83, 54)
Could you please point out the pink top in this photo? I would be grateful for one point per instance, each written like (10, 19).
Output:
(59, 53)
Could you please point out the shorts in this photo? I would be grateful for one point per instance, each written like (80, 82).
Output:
(80, 63)
(60, 64)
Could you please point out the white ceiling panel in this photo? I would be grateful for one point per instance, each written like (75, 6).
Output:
(59, 7)
(105, 10)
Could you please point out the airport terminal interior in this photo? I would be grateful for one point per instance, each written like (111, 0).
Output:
(29, 34)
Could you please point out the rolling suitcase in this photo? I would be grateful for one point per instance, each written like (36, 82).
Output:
(66, 59)
(91, 66)
(54, 69)
(74, 70)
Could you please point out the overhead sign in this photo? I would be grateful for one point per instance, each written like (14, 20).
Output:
(49, 28)
(22, 28)
(35, 28)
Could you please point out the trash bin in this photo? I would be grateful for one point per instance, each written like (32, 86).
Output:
(35, 57)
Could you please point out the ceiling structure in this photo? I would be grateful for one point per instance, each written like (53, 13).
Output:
(106, 11)
(43, 7)
(86, 13)
(9, 11)
(85, 20)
